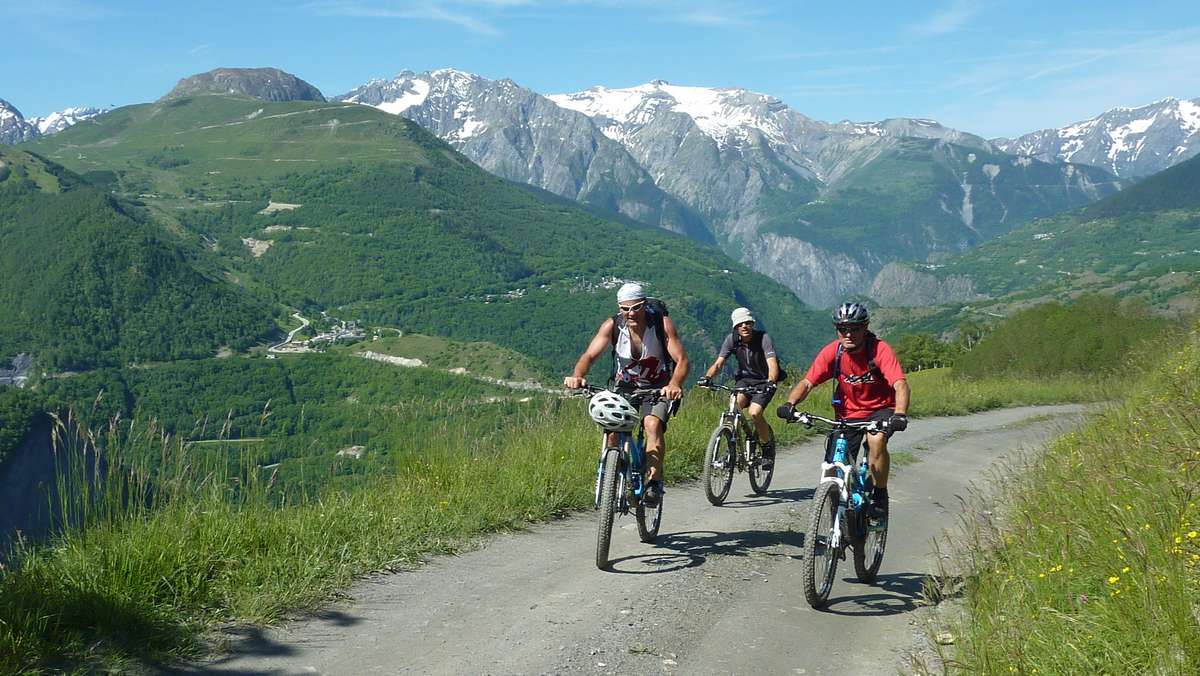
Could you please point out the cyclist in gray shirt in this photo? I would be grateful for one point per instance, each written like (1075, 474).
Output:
(757, 365)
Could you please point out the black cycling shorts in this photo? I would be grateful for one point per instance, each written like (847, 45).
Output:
(762, 398)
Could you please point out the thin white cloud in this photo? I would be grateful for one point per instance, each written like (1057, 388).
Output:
(199, 49)
(949, 19)
(456, 13)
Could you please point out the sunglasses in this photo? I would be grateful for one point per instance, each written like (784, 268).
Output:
(629, 309)
(849, 328)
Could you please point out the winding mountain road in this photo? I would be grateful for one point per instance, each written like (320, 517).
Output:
(718, 593)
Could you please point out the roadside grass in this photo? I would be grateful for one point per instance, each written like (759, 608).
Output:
(1091, 563)
(214, 542)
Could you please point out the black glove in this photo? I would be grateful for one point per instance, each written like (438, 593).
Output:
(786, 410)
(704, 381)
(898, 422)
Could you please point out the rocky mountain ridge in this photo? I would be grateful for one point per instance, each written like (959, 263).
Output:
(1129, 142)
(515, 133)
(268, 84)
(749, 166)
(15, 128)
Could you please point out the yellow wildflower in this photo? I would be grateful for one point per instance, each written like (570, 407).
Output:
(1113, 579)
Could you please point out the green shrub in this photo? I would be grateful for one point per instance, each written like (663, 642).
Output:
(1094, 334)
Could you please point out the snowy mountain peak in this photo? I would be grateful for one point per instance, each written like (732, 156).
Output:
(58, 121)
(1126, 141)
(725, 115)
(14, 128)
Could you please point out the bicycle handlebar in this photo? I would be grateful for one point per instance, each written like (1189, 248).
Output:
(748, 389)
(807, 419)
(636, 393)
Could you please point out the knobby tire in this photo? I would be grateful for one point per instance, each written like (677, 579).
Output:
(760, 478)
(648, 520)
(868, 551)
(717, 480)
(820, 560)
(608, 505)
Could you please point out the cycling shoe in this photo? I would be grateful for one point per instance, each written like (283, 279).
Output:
(652, 496)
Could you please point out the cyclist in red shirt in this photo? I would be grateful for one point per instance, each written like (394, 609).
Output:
(870, 385)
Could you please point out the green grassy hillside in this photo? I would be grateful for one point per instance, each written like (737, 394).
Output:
(88, 282)
(386, 224)
(1144, 241)
(923, 196)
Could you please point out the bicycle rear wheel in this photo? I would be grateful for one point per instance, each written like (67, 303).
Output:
(760, 478)
(820, 556)
(719, 462)
(608, 505)
(868, 550)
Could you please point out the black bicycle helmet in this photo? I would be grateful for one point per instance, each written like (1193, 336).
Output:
(851, 313)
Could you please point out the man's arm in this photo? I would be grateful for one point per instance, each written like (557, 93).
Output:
(800, 392)
(600, 342)
(773, 369)
(715, 368)
(902, 393)
(674, 389)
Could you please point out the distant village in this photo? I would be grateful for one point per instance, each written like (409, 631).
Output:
(342, 332)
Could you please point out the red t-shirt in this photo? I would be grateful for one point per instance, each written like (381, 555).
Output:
(862, 391)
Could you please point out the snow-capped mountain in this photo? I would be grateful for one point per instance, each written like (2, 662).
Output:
(515, 133)
(14, 128)
(58, 121)
(818, 206)
(1129, 142)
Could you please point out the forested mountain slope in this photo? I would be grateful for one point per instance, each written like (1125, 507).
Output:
(88, 282)
(347, 209)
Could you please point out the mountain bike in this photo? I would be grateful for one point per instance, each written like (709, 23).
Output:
(619, 478)
(734, 447)
(840, 509)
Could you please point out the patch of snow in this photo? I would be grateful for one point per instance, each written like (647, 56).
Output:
(991, 170)
(1043, 236)
(471, 127)
(1189, 115)
(255, 114)
(415, 97)
(1022, 162)
(971, 158)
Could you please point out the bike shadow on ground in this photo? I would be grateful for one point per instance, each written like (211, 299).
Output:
(890, 594)
(692, 548)
(769, 498)
(241, 641)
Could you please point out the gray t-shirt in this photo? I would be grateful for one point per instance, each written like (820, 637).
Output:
(751, 357)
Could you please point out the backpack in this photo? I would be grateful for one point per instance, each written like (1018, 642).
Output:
(872, 367)
(656, 310)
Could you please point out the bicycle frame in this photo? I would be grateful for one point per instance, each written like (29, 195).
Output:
(852, 480)
(630, 480)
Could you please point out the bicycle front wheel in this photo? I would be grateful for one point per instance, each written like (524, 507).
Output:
(608, 504)
(719, 465)
(868, 550)
(648, 520)
(760, 478)
(820, 556)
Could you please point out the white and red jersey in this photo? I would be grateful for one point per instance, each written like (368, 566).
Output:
(648, 368)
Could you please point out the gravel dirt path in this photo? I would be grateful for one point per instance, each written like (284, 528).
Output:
(718, 593)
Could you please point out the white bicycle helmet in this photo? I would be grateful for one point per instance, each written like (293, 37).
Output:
(613, 412)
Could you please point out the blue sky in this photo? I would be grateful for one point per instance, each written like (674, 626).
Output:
(991, 67)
